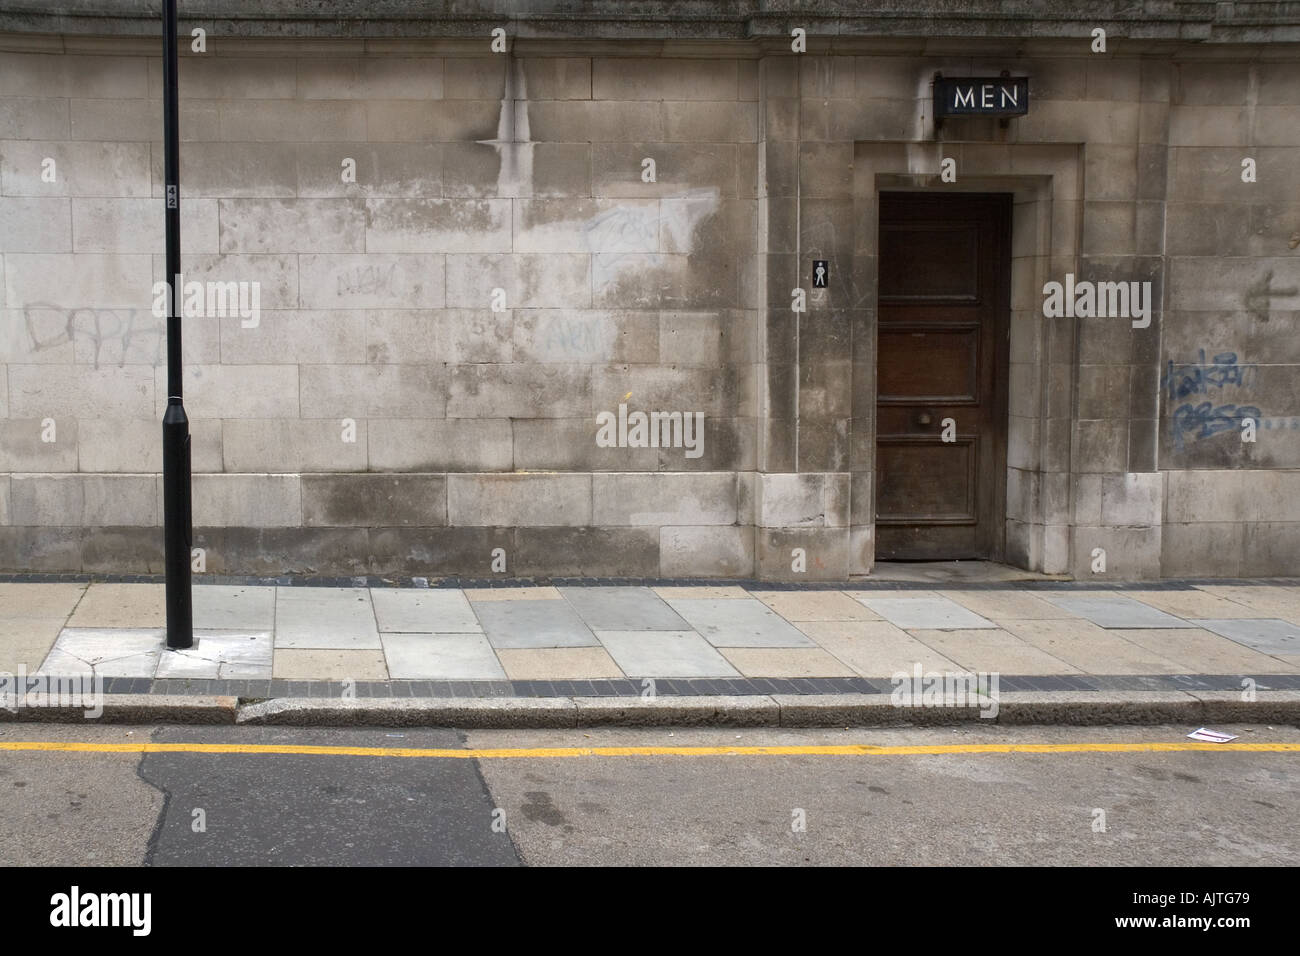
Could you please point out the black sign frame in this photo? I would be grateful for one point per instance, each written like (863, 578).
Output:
(986, 96)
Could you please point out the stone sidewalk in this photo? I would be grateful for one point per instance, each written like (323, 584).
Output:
(267, 642)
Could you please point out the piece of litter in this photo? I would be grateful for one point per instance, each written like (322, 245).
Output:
(394, 735)
(1211, 736)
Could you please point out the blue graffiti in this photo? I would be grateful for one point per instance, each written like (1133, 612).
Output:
(1203, 420)
(1197, 378)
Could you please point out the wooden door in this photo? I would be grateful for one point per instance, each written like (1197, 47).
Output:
(941, 354)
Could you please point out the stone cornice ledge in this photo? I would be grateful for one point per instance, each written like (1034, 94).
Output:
(1234, 21)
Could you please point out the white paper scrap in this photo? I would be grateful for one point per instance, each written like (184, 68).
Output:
(1211, 736)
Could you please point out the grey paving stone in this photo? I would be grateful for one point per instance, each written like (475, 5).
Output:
(226, 608)
(545, 623)
(441, 657)
(1114, 611)
(665, 654)
(421, 611)
(243, 654)
(938, 614)
(108, 652)
(1266, 635)
(325, 618)
(741, 622)
(623, 609)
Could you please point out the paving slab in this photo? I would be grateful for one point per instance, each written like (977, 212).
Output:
(724, 592)
(751, 623)
(325, 619)
(1115, 611)
(120, 652)
(623, 609)
(665, 654)
(544, 623)
(938, 613)
(559, 663)
(224, 608)
(876, 648)
(544, 593)
(1266, 635)
(420, 611)
(1274, 602)
(1204, 653)
(441, 657)
(1091, 648)
(326, 664)
(1194, 603)
(816, 606)
(25, 641)
(995, 651)
(121, 605)
(221, 654)
(786, 662)
(39, 600)
(1000, 606)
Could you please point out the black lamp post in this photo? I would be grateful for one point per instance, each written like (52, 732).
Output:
(178, 527)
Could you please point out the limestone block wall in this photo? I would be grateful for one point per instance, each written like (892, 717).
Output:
(1088, 202)
(1128, 168)
(1231, 342)
(464, 260)
(461, 260)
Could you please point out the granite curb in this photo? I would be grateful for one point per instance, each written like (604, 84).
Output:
(1054, 708)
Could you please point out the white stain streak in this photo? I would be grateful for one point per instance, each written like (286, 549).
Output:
(512, 145)
(620, 238)
(923, 159)
(923, 124)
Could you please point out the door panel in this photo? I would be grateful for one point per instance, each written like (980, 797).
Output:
(916, 480)
(941, 352)
(927, 364)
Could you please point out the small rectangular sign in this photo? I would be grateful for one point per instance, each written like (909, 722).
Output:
(821, 273)
(981, 96)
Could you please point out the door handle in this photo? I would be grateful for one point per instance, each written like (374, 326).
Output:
(924, 418)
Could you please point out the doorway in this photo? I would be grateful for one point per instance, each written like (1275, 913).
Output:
(941, 375)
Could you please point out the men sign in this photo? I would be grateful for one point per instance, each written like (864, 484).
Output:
(981, 96)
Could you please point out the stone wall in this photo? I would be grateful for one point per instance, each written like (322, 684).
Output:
(382, 417)
(382, 388)
(1231, 342)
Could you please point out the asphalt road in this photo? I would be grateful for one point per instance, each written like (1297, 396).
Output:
(981, 808)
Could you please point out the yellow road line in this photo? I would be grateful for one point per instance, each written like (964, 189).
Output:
(838, 750)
